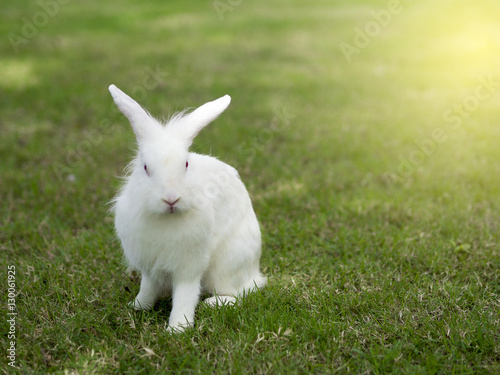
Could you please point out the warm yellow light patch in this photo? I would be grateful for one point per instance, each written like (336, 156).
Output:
(474, 47)
(467, 41)
(282, 188)
(16, 74)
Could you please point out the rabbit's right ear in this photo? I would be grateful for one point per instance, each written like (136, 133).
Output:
(192, 123)
(141, 121)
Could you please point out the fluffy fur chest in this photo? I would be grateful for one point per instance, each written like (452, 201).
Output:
(165, 244)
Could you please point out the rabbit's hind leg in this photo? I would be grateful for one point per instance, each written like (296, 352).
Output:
(217, 300)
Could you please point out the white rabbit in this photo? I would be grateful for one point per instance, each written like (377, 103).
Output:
(185, 220)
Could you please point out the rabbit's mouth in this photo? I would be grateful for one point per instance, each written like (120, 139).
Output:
(174, 210)
(171, 205)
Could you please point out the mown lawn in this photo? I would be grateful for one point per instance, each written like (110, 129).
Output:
(366, 131)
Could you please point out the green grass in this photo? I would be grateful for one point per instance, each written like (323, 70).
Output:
(375, 265)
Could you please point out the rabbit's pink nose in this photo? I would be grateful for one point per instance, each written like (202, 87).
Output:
(171, 202)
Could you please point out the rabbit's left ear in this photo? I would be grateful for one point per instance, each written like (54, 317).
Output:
(141, 121)
(202, 116)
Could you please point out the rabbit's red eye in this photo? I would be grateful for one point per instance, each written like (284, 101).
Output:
(146, 169)
(187, 164)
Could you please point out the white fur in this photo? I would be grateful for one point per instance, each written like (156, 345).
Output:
(209, 240)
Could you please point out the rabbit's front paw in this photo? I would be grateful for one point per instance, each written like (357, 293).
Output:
(179, 327)
(140, 305)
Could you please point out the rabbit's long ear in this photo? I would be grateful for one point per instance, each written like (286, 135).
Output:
(202, 116)
(141, 121)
